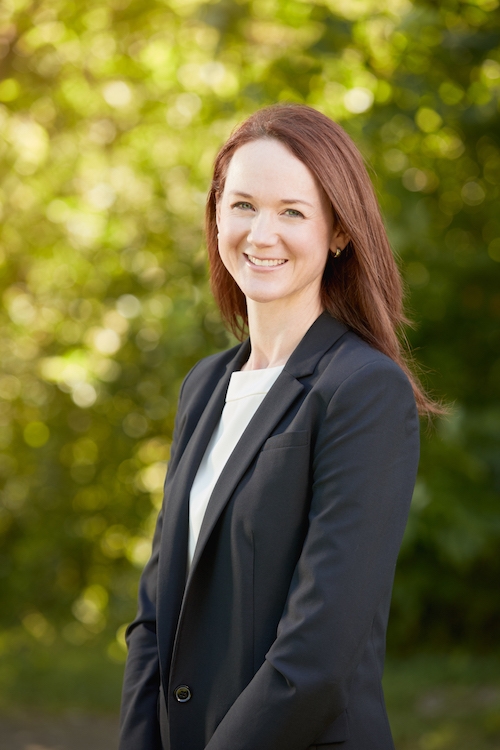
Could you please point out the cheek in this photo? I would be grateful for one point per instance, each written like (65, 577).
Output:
(231, 234)
(226, 253)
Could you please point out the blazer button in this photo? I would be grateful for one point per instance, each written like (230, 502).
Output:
(182, 694)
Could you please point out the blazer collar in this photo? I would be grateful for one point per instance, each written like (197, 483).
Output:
(321, 336)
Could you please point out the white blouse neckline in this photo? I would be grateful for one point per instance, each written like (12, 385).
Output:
(246, 383)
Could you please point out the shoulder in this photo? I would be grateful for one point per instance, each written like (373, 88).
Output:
(352, 365)
(363, 392)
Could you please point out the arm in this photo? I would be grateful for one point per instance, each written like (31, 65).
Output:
(364, 469)
(139, 727)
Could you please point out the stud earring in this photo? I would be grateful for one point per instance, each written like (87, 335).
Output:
(337, 252)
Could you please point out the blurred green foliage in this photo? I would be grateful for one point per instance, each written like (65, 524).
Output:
(110, 116)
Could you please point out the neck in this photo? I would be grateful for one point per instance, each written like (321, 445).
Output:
(275, 333)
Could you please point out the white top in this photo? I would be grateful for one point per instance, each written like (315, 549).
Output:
(245, 393)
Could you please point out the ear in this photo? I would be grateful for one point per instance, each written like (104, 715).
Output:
(217, 209)
(339, 240)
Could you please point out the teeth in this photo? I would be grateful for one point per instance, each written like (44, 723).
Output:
(265, 262)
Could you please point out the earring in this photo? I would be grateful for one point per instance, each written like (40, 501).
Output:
(337, 252)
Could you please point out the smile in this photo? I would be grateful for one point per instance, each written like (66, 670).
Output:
(265, 261)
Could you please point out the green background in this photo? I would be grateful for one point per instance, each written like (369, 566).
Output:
(110, 117)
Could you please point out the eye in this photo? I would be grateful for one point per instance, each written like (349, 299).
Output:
(244, 205)
(293, 212)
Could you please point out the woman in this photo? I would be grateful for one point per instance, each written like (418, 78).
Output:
(263, 609)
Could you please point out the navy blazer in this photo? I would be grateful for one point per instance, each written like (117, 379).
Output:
(276, 640)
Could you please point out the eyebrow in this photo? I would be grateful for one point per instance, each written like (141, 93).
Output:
(288, 201)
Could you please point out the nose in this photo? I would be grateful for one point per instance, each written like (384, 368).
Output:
(262, 231)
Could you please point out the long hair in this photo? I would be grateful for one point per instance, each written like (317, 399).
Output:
(362, 287)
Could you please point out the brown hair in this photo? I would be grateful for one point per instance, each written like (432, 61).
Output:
(362, 287)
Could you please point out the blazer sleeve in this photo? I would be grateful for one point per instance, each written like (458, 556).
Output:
(139, 726)
(364, 468)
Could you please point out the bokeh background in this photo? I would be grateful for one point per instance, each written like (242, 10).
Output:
(111, 113)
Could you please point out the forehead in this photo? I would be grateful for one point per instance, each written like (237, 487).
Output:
(267, 163)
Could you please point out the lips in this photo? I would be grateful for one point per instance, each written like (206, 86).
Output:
(266, 261)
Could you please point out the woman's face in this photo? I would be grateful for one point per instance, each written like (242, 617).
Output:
(275, 225)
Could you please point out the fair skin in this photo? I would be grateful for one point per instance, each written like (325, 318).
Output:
(276, 229)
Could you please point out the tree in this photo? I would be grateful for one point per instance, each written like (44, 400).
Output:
(110, 117)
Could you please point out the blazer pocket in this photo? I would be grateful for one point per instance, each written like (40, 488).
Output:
(336, 732)
(287, 440)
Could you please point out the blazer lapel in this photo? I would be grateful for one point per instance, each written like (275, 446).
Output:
(174, 545)
(284, 391)
(324, 332)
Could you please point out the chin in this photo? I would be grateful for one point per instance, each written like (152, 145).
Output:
(262, 293)
(262, 297)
